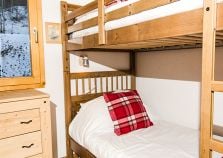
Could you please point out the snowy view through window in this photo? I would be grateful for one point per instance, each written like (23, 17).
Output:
(14, 39)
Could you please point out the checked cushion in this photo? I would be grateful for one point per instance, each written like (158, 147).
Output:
(127, 111)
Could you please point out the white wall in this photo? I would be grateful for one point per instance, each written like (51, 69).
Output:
(177, 101)
(172, 100)
(54, 77)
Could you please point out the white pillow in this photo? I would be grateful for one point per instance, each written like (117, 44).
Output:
(150, 113)
(93, 117)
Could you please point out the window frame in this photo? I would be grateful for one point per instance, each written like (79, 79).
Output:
(37, 80)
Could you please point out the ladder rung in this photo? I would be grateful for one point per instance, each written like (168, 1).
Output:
(216, 145)
(217, 86)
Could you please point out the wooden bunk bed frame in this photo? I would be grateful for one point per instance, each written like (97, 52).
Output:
(191, 29)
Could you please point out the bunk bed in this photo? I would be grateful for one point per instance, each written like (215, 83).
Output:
(187, 28)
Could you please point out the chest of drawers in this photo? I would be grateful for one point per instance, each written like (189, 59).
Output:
(25, 125)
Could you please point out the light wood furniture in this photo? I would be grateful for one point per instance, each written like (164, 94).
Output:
(191, 29)
(25, 124)
(37, 79)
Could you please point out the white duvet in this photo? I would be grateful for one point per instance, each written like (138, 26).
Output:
(93, 129)
(163, 140)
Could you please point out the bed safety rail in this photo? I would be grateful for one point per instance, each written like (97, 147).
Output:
(103, 17)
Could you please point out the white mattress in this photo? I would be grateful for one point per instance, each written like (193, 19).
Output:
(170, 9)
(162, 140)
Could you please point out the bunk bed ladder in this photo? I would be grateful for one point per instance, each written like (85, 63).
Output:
(209, 85)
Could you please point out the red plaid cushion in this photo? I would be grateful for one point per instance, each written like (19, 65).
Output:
(127, 111)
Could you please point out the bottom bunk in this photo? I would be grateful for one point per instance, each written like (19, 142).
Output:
(92, 135)
(91, 132)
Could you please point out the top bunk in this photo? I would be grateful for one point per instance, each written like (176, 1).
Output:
(137, 25)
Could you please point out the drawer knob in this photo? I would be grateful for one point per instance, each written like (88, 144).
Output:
(28, 122)
(29, 146)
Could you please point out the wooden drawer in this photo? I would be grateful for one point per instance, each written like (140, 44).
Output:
(22, 146)
(16, 123)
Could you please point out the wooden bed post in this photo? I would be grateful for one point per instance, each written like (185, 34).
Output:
(208, 62)
(132, 69)
(66, 69)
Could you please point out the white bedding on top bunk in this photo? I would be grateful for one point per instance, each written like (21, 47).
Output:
(170, 9)
(162, 140)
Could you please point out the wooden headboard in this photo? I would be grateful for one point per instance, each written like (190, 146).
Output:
(89, 85)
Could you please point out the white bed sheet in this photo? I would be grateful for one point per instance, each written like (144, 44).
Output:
(166, 10)
(162, 140)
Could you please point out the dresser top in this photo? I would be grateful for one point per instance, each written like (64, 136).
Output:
(17, 95)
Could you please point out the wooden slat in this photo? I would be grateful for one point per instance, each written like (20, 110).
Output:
(83, 86)
(77, 87)
(154, 44)
(83, 25)
(106, 84)
(188, 39)
(132, 65)
(72, 7)
(98, 74)
(220, 33)
(95, 85)
(89, 84)
(84, 9)
(101, 84)
(217, 86)
(127, 82)
(117, 82)
(86, 97)
(72, 46)
(112, 83)
(216, 145)
(122, 82)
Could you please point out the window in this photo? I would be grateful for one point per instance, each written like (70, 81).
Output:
(21, 50)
